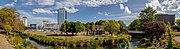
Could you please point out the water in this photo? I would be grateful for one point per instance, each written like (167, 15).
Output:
(134, 42)
(40, 46)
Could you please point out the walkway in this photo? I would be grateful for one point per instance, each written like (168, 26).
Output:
(177, 38)
(4, 43)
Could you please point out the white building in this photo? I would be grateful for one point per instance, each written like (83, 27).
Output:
(62, 16)
(25, 21)
(52, 26)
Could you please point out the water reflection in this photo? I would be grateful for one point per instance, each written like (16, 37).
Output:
(40, 46)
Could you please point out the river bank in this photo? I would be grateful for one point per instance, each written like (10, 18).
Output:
(4, 43)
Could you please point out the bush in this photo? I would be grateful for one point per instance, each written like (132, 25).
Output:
(78, 42)
(153, 29)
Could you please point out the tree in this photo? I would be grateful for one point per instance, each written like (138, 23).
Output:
(92, 27)
(153, 29)
(146, 15)
(135, 25)
(79, 27)
(9, 20)
(100, 24)
(177, 26)
(112, 26)
(178, 22)
(122, 26)
(64, 27)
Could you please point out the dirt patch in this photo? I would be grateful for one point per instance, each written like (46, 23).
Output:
(4, 43)
(177, 39)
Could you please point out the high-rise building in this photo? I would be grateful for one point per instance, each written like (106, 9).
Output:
(25, 21)
(62, 16)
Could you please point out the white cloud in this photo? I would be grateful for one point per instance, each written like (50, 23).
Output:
(103, 13)
(97, 3)
(86, 3)
(40, 10)
(36, 20)
(46, 11)
(71, 10)
(127, 17)
(126, 10)
(164, 6)
(45, 2)
(121, 6)
(70, 4)
(99, 13)
(161, 12)
(95, 17)
(11, 4)
(39, 2)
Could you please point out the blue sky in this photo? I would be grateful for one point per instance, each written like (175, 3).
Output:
(89, 10)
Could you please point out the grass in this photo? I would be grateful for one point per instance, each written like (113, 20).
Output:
(19, 43)
(78, 42)
(177, 33)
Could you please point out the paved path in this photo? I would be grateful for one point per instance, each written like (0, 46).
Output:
(4, 43)
(177, 38)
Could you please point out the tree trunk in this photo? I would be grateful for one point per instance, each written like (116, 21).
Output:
(76, 33)
(72, 33)
(66, 33)
(87, 32)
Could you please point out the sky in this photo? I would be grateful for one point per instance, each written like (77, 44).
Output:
(89, 10)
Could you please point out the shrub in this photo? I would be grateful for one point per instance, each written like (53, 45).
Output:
(78, 42)
(153, 29)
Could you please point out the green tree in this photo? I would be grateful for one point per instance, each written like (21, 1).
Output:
(122, 26)
(9, 20)
(100, 24)
(112, 27)
(92, 27)
(64, 27)
(178, 22)
(135, 25)
(79, 27)
(71, 27)
(146, 15)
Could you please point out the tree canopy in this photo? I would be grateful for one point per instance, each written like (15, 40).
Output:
(178, 22)
(146, 15)
(112, 27)
(9, 20)
(72, 27)
(154, 29)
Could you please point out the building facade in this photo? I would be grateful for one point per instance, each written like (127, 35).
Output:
(24, 19)
(62, 16)
(44, 23)
(166, 18)
(52, 26)
(33, 26)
